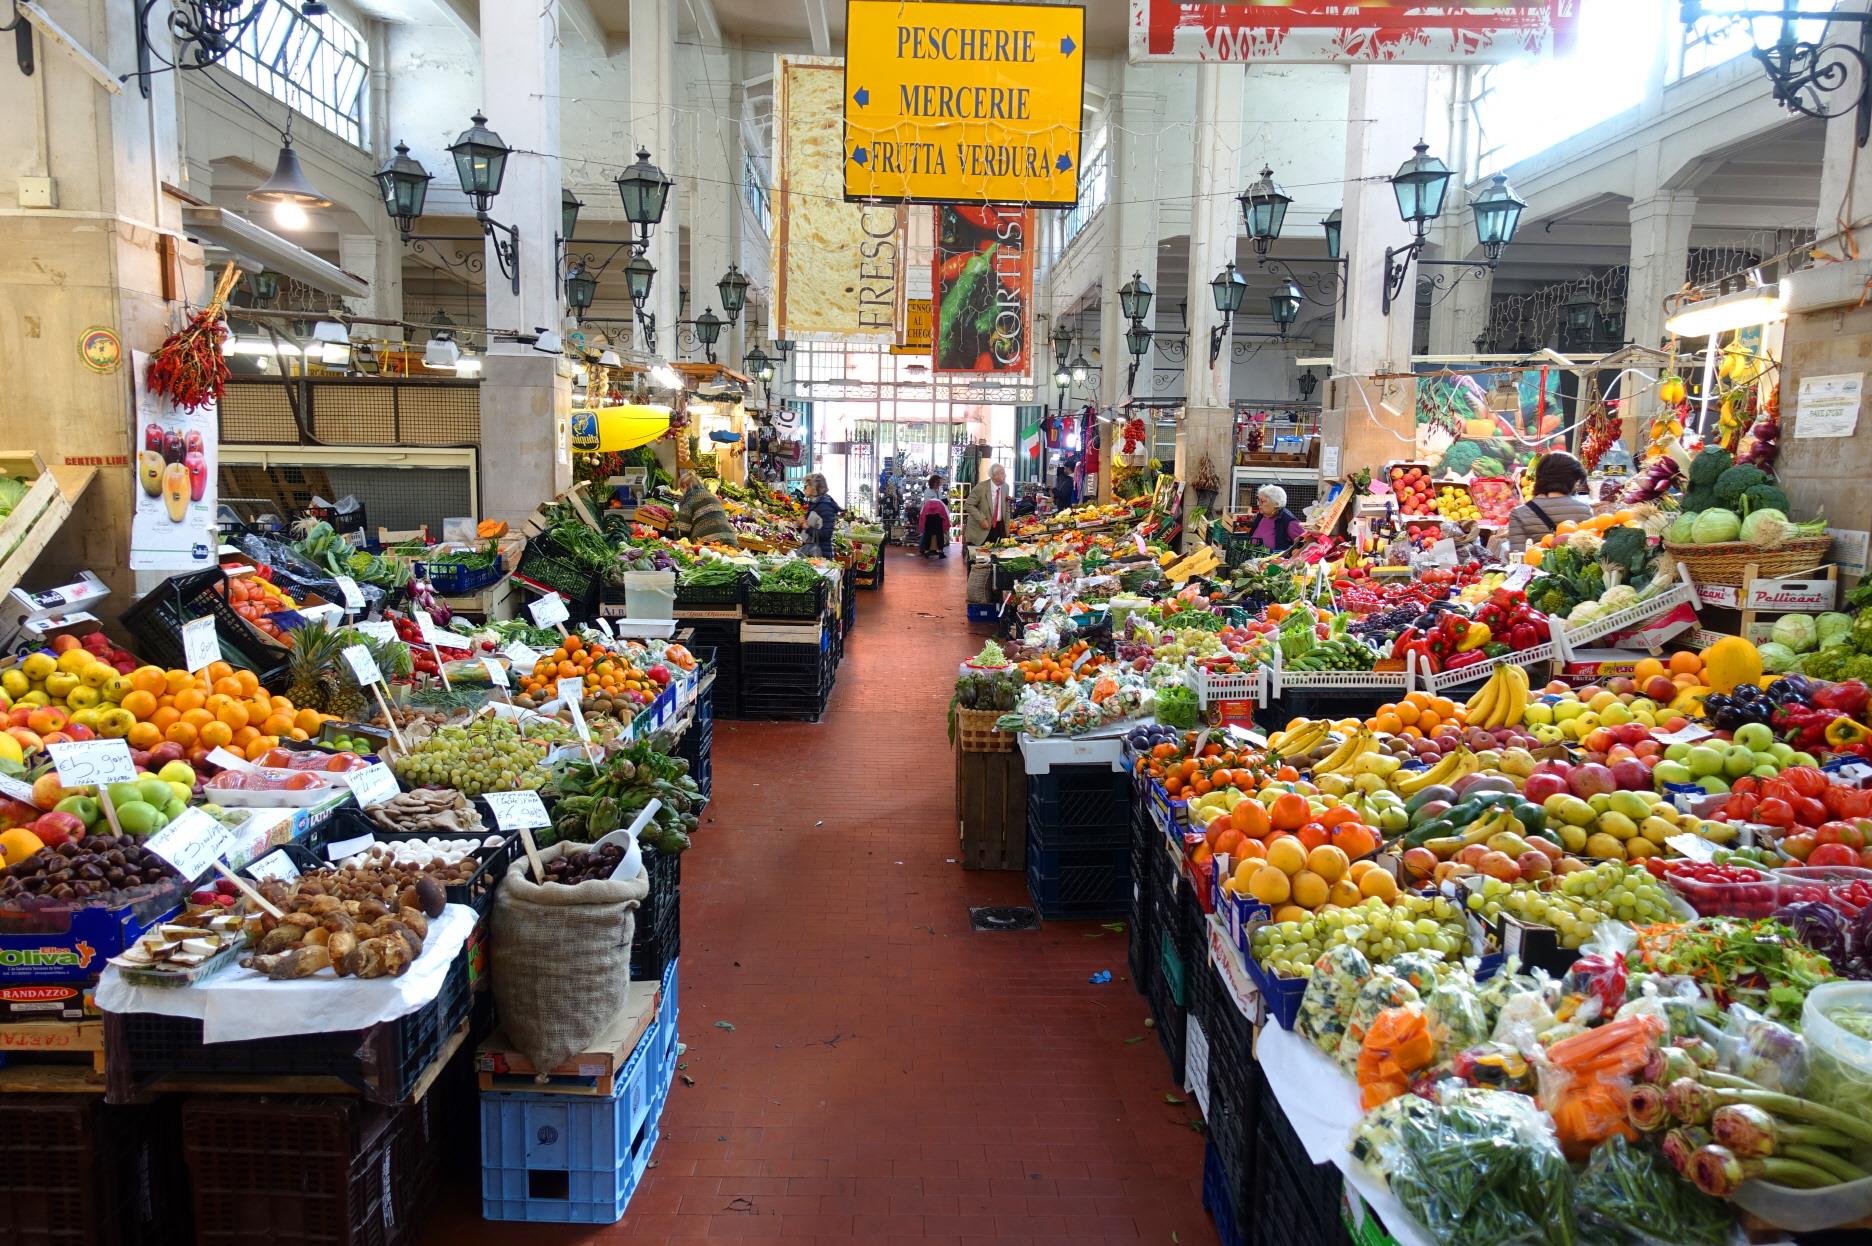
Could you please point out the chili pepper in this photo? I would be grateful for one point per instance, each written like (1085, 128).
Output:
(980, 216)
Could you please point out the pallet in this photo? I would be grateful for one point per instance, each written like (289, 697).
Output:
(593, 1072)
(991, 810)
(73, 1047)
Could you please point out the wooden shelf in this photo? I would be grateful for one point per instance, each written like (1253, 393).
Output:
(25, 533)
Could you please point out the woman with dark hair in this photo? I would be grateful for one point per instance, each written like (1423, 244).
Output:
(933, 522)
(1559, 479)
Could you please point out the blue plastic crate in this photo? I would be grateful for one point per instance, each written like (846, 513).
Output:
(572, 1160)
(1078, 884)
(1220, 1199)
(983, 614)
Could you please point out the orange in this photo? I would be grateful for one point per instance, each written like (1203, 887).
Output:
(1313, 835)
(1328, 862)
(218, 670)
(243, 736)
(1269, 885)
(1408, 711)
(1428, 722)
(180, 733)
(249, 682)
(1647, 668)
(308, 721)
(149, 679)
(1378, 883)
(1291, 913)
(1309, 889)
(1287, 856)
(1685, 663)
(1286, 774)
(1389, 722)
(259, 746)
(215, 701)
(281, 705)
(1250, 818)
(140, 703)
(189, 699)
(1344, 893)
(227, 688)
(1444, 708)
(276, 725)
(233, 713)
(216, 735)
(197, 718)
(1290, 812)
(144, 736)
(164, 717)
(178, 680)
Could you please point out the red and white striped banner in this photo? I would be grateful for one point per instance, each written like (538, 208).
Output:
(1321, 32)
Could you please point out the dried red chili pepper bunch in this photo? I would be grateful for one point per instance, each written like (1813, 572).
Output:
(1134, 434)
(1600, 434)
(188, 367)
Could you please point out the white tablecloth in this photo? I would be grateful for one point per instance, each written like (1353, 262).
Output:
(238, 1003)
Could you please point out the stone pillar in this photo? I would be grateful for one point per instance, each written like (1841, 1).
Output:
(1660, 260)
(652, 120)
(524, 398)
(1207, 431)
(709, 182)
(1370, 422)
(1459, 315)
(1130, 248)
(379, 260)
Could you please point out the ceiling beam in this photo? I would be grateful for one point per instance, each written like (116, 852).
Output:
(707, 24)
(463, 15)
(821, 28)
(579, 16)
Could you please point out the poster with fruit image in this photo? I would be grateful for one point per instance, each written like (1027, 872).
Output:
(1466, 425)
(172, 456)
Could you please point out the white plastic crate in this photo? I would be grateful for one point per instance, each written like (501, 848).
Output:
(1529, 659)
(1237, 686)
(1682, 593)
(1042, 754)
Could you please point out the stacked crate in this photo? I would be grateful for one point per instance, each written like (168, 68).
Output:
(786, 669)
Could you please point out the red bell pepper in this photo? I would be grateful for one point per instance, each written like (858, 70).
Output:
(1849, 698)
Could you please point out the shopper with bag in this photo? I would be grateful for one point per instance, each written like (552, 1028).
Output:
(1559, 480)
(934, 522)
(821, 518)
(985, 515)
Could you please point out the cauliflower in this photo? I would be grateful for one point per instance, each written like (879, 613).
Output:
(1585, 544)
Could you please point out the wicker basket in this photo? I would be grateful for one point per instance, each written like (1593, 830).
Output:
(977, 732)
(1727, 562)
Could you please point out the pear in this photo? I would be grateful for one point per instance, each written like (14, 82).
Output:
(150, 471)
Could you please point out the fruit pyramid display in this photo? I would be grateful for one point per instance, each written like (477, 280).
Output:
(1453, 502)
(1414, 489)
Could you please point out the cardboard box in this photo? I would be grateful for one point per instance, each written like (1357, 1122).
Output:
(48, 1001)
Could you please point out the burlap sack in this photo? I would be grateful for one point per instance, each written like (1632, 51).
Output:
(561, 958)
(980, 582)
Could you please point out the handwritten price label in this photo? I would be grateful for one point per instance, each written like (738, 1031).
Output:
(523, 658)
(548, 611)
(382, 633)
(278, 865)
(496, 673)
(348, 590)
(570, 690)
(517, 811)
(373, 784)
(18, 791)
(200, 645)
(82, 763)
(192, 843)
(363, 665)
(434, 636)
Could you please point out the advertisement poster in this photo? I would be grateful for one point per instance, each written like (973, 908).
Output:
(1459, 435)
(837, 266)
(983, 288)
(1333, 31)
(173, 453)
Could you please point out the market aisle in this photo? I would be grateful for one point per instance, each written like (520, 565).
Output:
(891, 1075)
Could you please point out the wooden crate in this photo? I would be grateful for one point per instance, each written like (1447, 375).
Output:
(51, 1057)
(592, 1072)
(991, 810)
(25, 533)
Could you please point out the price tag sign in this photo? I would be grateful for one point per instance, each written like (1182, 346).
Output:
(359, 659)
(278, 865)
(200, 645)
(344, 848)
(18, 791)
(570, 690)
(82, 763)
(373, 784)
(229, 761)
(517, 811)
(1690, 734)
(192, 843)
(496, 673)
(434, 636)
(353, 600)
(523, 658)
(548, 611)
(382, 633)
(1694, 847)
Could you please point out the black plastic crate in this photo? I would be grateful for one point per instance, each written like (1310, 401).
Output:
(1220, 1199)
(477, 893)
(75, 1171)
(658, 933)
(383, 1062)
(155, 622)
(1295, 1199)
(783, 706)
(1232, 1068)
(774, 604)
(1091, 804)
(779, 665)
(712, 596)
(1078, 884)
(545, 564)
(300, 1171)
(1172, 1026)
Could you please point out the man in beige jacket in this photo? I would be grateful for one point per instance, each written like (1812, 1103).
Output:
(985, 514)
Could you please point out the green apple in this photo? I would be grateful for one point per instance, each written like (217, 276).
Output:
(1704, 760)
(1567, 710)
(1802, 759)
(1756, 736)
(182, 790)
(178, 772)
(155, 792)
(1677, 751)
(1615, 715)
(1767, 770)
(1782, 752)
(135, 816)
(1538, 714)
(1713, 785)
(1673, 772)
(1737, 761)
(122, 794)
(84, 808)
(174, 808)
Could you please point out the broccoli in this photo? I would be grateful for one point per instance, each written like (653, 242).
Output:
(1732, 484)
(1757, 497)
(1699, 498)
(1860, 637)
(1835, 664)
(1461, 457)
(1710, 464)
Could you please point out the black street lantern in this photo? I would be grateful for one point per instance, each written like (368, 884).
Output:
(404, 184)
(1264, 209)
(644, 188)
(1334, 225)
(1061, 379)
(265, 285)
(1420, 185)
(580, 288)
(1497, 215)
(1081, 368)
(1062, 343)
(733, 289)
(638, 274)
(1228, 288)
(1284, 306)
(708, 331)
(569, 205)
(1138, 340)
(480, 163)
(1580, 311)
(784, 346)
(758, 365)
(1308, 383)
(1134, 299)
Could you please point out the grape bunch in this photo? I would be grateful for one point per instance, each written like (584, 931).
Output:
(486, 755)
(1381, 930)
(1611, 890)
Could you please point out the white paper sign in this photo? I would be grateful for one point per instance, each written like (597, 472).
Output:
(278, 865)
(352, 597)
(344, 848)
(1689, 734)
(228, 761)
(570, 690)
(604, 625)
(372, 784)
(514, 811)
(548, 611)
(363, 665)
(1518, 577)
(1694, 847)
(1828, 405)
(1849, 549)
(523, 658)
(82, 763)
(382, 633)
(192, 843)
(17, 790)
(200, 645)
(1329, 461)
(435, 636)
(496, 673)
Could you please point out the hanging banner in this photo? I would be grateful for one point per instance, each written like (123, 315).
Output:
(915, 339)
(963, 102)
(172, 519)
(837, 266)
(1333, 31)
(983, 288)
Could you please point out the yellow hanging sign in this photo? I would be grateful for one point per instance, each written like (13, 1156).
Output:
(916, 331)
(959, 101)
(609, 429)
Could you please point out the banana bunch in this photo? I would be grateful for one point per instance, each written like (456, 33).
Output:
(1202, 562)
(1501, 701)
(1353, 747)
(1452, 766)
(1302, 739)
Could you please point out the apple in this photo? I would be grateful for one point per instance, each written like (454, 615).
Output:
(1598, 740)
(1589, 780)
(58, 826)
(1754, 736)
(79, 731)
(1737, 761)
(165, 753)
(1703, 760)
(1672, 772)
(1713, 785)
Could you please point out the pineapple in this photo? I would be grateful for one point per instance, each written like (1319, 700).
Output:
(315, 649)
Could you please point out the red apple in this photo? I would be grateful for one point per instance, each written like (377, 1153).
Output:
(165, 753)
(1660, 689)
(1620, 686)
(1599, 740)
(1534, 864)
(78, 731)
(56, 827)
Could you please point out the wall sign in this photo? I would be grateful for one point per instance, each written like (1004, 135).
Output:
(1829, 405)
(172, 519)
(1333, 31)
(963, 102)
(101, 349)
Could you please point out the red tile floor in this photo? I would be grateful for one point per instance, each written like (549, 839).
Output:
(890, 1074)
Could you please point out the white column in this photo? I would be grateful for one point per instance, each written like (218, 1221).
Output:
(708, 179)
(524, 399)
(653, 93)
(1130, 249)
(1660, 261)
(1460, 314)
(379, 260)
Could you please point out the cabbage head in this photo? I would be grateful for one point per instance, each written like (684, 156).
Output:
(1716, 525)
(1766, 526)
(1797, 632)
(1834, 628)
(1682, 530)
(1618, 597)
(1777, 658)
(1584, 613)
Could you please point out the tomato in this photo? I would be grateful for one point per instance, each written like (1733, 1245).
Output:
(1742, 806)
(1798, 846)
(1808, 811)
(1832, 854)
(1806, 780)
(1847, 833)
(1747, 785)
(1775, 812)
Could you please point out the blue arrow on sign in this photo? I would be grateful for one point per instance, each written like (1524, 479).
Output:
(861, 96)
(860, 155)
(1063, 163)
(1066, 45)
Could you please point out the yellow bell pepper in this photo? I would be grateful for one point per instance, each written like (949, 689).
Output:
(1477, 636)
(1843, 731)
